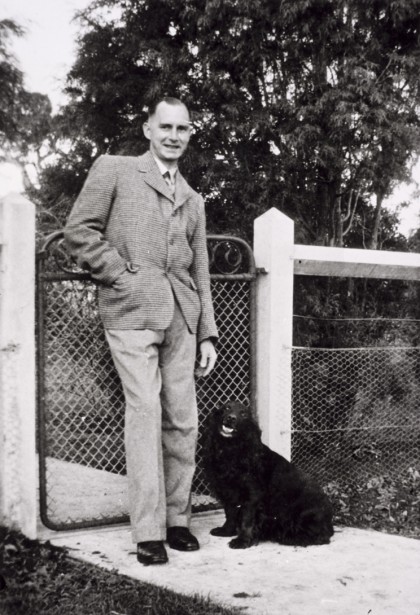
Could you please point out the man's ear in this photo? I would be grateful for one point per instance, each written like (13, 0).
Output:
(146, 130)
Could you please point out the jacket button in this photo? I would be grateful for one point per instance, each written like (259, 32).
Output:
(132, 268)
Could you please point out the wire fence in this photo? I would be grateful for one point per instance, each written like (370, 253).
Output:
(81, 404)
(356, 417)
(356, 411)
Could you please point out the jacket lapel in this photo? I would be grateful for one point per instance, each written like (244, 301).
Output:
(182, 190)
(153, 177)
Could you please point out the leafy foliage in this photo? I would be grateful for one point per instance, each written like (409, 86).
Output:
(25, 117)
(11, 80)
(351, 313)
(309, 106)
(382, 503)
(40, 578)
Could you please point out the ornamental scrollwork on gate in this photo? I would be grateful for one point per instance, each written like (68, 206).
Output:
(227, 256)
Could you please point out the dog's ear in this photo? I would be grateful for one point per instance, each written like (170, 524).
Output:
(250, 431)
(214, 416)
(255, 430)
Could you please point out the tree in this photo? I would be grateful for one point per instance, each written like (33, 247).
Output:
(25, 117)
(11, 80)
(310, 106)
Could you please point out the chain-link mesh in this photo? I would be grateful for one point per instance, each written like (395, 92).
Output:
(82, 410)
(231, 377)
(355, 415)
(353, 407)
(82, 455)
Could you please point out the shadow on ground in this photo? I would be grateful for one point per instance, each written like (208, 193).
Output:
(360, 573)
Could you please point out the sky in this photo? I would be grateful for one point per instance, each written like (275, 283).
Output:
(47, 50)
(410, 216)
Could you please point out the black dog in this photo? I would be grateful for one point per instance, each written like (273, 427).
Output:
(265, 497)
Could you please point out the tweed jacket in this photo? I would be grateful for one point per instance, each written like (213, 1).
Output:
(142, 245)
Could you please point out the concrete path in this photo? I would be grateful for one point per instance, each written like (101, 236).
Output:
(359, 573)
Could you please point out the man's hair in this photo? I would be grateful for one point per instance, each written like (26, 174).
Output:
(169, 100)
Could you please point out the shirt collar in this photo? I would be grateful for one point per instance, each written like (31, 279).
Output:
(163, 169)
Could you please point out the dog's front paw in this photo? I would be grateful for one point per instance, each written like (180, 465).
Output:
(222, 531)
(241, 543)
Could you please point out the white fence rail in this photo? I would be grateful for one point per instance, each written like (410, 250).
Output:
(280, 259)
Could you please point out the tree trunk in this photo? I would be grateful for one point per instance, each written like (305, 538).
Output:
(339, 224)
(373, 241)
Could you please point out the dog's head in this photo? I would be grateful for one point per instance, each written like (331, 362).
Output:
(233, 418)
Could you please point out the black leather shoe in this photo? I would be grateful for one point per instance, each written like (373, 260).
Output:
(151, 552)
(181, 539)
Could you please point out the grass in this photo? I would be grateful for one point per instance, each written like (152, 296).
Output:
(41, 579)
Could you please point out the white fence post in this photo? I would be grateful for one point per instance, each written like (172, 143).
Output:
(18, 463)
(273, 249)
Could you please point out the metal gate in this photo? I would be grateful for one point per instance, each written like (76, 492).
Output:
(80, 401)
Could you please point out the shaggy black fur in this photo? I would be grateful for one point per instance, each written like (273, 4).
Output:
(265, 497)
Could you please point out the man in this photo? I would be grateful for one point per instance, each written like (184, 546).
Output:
(139, 228)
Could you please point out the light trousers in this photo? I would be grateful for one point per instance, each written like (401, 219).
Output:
(161, 424)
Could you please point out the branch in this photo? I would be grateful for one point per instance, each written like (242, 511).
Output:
(379, 77)
(347, 214)
(350, 224)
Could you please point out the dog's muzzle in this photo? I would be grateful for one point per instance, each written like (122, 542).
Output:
(227, 432)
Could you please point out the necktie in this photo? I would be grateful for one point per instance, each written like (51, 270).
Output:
(171, 184)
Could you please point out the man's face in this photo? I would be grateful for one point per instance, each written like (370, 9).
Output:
(168, 131)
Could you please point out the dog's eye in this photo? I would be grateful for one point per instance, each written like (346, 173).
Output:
(243, 413)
